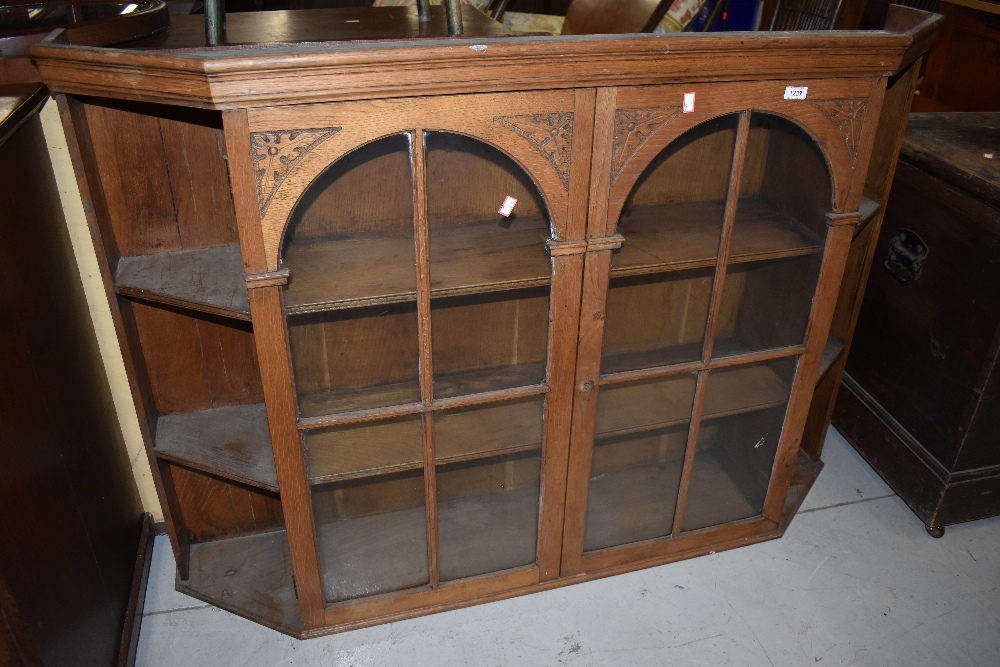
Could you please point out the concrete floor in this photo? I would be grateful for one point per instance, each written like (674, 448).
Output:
(855, 581)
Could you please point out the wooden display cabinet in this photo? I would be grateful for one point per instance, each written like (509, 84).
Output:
(368, 395)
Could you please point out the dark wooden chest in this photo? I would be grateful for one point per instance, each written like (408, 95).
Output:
(921, 396)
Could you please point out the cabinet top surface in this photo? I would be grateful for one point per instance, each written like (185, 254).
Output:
(960, 148)
(281, 73)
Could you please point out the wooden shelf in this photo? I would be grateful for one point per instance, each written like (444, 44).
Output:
(373, 554)
(233, 442)
(868, 209)
(640, 407)
(479, 434)
(834, 348)
(373, 268)
(674, 237)
(630, 504)
(474, 381)
(208, 279)
(250, 575)
(333, 401)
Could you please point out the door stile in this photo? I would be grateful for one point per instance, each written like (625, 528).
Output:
(596, 268)
(564, 323)
(715, 306)
(271, 340)
(838, 246)
(421, 238)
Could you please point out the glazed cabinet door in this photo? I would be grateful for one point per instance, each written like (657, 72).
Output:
(694, 331)
(423, 305)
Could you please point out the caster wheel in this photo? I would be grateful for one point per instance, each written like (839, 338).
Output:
(935, 531)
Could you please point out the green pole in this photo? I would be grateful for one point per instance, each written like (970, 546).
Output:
(215, 21)
(454, 11)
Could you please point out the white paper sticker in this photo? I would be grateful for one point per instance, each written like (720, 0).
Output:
(688, 103)
(479, 47)
(507, 207)
(796, 92)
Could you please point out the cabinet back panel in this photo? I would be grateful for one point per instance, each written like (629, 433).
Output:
(469, 180)
(477, 478)
(648, 312)
(196, 363)
(795, 177)
(164, 176)
(368, 189)
(354, 348)
(214, 509)
(663, 445)
(486, 331)
(368, 496)
(694, 167)
(775, 299)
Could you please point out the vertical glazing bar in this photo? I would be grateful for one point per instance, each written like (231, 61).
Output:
(689, 451)
(729, 222)
(423, 13)
(421, 236)
(453, 8)
(715, 305)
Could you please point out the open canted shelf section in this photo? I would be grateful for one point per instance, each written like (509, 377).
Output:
(207, 279)
(233, 442)
(250, 575)
(674, 237)
(376, 267)
(834, 348)
(868, 209)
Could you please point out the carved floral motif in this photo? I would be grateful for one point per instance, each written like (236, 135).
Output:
(549, 134)
(275, 154)
(633, 128)
(848, 114)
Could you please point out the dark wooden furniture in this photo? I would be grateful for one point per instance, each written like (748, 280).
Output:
(962, 68)
(921, 396)
(95, 23)
(374, 386)
(71, 583)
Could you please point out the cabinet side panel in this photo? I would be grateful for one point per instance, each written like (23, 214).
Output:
(214, 509)
(230, 360)
(133, 173)
(198, 180)
(172, 352)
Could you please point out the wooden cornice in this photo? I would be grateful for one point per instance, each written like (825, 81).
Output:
(266, 75)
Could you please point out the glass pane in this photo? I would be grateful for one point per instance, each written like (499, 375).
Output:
(489, 341)
(350, 238)
(740, 428)
(778, 238)
(655, 320)
(361, 450)
(766, 304)
(486, 430)
(355, 358)
(488, 514)
(473, 247)
(672, 222)
(372, 534)
(640, 436)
